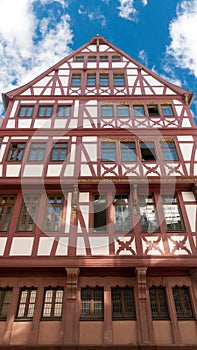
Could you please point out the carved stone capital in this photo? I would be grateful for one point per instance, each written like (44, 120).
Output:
(72, 279)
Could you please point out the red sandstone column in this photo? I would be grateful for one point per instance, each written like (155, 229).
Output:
(108, 337)
(144, 319)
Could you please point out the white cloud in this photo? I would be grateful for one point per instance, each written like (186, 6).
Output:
(24, 53)
(95, 15)
(183, 31)
(127, 9)
(143, 56)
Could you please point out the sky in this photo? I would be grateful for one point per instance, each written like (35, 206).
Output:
(160, 34)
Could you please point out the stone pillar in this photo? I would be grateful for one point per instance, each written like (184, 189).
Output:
(144, 319)
(71, 314)
(108, 338)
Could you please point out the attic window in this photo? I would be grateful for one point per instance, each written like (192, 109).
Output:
(103, 58)
(79, 58)
(92, 58)
(116, 58)
(153, 110)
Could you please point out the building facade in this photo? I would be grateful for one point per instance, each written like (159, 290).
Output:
(98, 191)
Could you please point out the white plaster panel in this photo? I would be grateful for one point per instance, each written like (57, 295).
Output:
(195, 169)
(153, 81)
(99, 245)
(185, 138)
(186, 123)
(188, 165)
(92, 151)
(188, 196)
(191, 210)
(131, 65)
(32, 170)
(39, 123)
(54, 169)
(104, 65)
(3, 241)
(186, 149)
(37, 91)
(179, 109)
(158, 91)
(148, 91)
(84, 197)
(170, 92)
(92, 110)
(73, 123)
(68, 212)
(12, 113)
(89, 139)
(177, 102)
(118, 64)
(5, 139)
(81, 249)
(85, 170)
(47, 91)
(69, 170)
(64, 80)
(91, 65)
(1, 167)
(19, 138)
(195, 157)
(58, 91)
(39, 138)
(87, 123)
(45, 245)
(21, 246)
(138, 91)
(13, 170)
(103, 48)
(43, 81)
(76, 65)
(2, 150)
(85, 213)
(65, 65)
(72, 153)
(60, 123)
(24, 123)
(10, 124)
(62, 247)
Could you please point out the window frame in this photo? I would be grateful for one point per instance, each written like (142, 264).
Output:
(107, 111)
(29, 306)
(64, 108)
(118, 79)
(104, 79)
(53, 303)
(147, 207)
(27, 109)
(148, 154)
(4, 293)
(75, 80)
(123, 202)
(120, 114)
(91, 80)
(7, 211)
(79, 58)
(104, 149)
(155, 110)
(101, 208)
(16, 149)
(169, 153)
(128, 150)
(181, 303)
(173, 203)
(54, 213)
(167, 114)
(157, 303)
(92, 302)
(136, 114)
(58, 148)
(38, 151)
(47, 111)
(123, 304)
(30, 202)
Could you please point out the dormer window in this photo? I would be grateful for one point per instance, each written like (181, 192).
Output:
(79, 58)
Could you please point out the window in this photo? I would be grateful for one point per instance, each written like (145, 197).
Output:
(138, 111)
(92, 303)
(167, 110)
(107, 111)
(123, 111)
(103, 58)
(149, 222)
(28, 213)
(54, 213)
(76, 80)
(26, 111)
(158, 303)
(6, 208)
(79, 58)
(26, 303)
(53, 302)
(37, 152)
(119, 80)
(122, 217)
(116, 58)
(64, 111)
(128, 151)
(104, 79)
(16, 152)
(5, 299)
(108, 151)
(148, 151)
(123, 304)
(169, 150)
(45, 111)
(59, 152)
(91, 79)
(182, 303)
(100, 213)
(172, 213)
(92, 58)
(153, 110)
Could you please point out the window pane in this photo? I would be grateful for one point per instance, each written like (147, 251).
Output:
(103, 58)
(172, 214)
(149, 222)
(122, 218)
(91, 79)
(53, 302)
(6, 209)
(104, 80)
(16, 152)
(26, 111)
(107, 111)
(92, 58)
(138, 111)
(119, 80)
(64, 111)
(76, 80)
(169, 151)
(153, 110)
(92, 303)
(182, 303)
(158, 303)
(116, 58)
(123, 305)
(53, 219)
(5, 299)
(37, 152)
(79, 58)
(26, 303)
(100, 213)
(123, 111)
(108, 152)
(167, 110)
(59, 152)
(45, 111)
(148, 151)
(128, 151)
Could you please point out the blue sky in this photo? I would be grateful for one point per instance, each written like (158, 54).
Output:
(161, 34)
